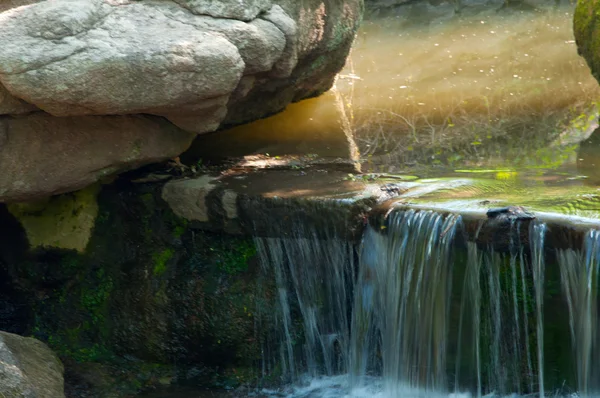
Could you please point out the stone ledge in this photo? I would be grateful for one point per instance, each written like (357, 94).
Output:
(269, 202)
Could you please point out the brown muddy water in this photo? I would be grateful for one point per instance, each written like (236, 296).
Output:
(466, 86)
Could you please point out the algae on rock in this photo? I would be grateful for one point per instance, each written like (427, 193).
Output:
(586, 28)
(146, 292)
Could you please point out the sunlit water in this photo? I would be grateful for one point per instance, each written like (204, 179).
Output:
(500, 98)
(492, 88)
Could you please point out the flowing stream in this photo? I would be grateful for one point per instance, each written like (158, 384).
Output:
(430, 313)
(417, 309)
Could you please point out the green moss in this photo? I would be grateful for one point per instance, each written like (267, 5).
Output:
(179, 231)
(122, 285)
(160, 261)
(95, 299)
(233, 259)
(587, 34)
(62, 345)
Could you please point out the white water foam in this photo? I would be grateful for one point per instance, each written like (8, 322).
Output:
(339, 387)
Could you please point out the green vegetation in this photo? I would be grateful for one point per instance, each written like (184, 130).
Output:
(233, 259)
(65, 221)
(144, 273)
(160, 261)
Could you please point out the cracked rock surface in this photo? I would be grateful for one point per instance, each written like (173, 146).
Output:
(200, 64)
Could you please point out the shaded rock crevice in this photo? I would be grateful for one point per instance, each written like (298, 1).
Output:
(148, 302)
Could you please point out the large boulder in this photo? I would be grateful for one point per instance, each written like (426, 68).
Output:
(42, 155)
(586, 27)
(29, 369)
(202, 65)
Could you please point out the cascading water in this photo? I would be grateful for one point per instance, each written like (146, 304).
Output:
(579, 276)
(428, 309)
(538, 232)
(314, 276)
(395, 293)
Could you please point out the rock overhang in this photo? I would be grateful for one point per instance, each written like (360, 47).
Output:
(172, 59)
(181, 68)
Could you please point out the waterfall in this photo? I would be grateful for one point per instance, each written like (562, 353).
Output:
(429, 308)
(538, 232)
(404, 290)
(579, 276)
(314, 277)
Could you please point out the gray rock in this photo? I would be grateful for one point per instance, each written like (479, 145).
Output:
(93, 58)
(29, 369)
(11, 105)
(187, 197)
(42, 155)
(8, 4)
(260, 43)
(107, 57)
(289, 60)
(245, 10)
(203, 65)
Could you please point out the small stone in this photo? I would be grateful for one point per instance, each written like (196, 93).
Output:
(511, 212)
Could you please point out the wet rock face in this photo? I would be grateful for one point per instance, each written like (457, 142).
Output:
(149, 301)
(510, 213)
(200, 64)
(28, 368)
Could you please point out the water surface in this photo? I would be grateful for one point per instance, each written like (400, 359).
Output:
(477, 111)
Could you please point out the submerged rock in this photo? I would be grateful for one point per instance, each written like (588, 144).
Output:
(29, 369)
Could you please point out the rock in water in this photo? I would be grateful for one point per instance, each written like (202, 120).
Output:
(29, 369)
(511, 213)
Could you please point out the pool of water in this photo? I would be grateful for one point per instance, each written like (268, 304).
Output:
(489, 89)
(331, 387)
(501, 101)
